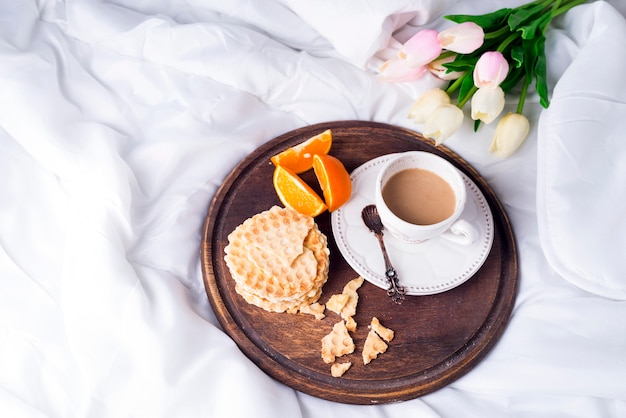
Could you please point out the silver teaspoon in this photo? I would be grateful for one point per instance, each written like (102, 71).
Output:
(372, 221)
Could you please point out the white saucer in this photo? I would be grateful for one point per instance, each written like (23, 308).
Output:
(430, 267)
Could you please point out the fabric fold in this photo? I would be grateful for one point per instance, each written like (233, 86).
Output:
(581, 153)
(119, 121)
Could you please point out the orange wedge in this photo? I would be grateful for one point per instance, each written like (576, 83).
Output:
(299, 158)
(334, 180)
(296, 194)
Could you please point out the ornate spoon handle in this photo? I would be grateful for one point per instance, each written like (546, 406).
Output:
(372, 221)
(395, 291)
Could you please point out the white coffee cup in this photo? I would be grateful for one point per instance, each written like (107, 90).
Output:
(446, 223)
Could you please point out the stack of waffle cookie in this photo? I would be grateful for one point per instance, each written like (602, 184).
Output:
(279, 260)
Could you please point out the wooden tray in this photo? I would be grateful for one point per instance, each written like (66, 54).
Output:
(438, 337)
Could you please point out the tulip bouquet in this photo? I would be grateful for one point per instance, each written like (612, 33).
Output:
(482, 58)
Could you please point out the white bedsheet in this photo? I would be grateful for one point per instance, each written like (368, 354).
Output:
(119, 119)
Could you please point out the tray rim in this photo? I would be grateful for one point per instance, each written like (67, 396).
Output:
(395, 389)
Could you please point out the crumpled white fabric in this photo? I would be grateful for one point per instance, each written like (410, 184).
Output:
(119, 119)
(581, 156)
(359, 30)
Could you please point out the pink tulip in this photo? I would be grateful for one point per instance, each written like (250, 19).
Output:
(463, 38)
(490, 70)
(421, 49)
(397, 69)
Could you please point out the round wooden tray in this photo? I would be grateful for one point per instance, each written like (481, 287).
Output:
(438, 337)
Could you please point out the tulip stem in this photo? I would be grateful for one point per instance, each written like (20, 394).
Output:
(559, 10)
(467, 97)
(496, 34)
(455, 85)
(445, 54)
(522, 96)
(513, 36)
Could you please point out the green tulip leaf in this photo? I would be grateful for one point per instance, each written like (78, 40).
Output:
(512, 79)
(488, 21)
(531, 51)
(525, 15)
(536, 26)
(541, 73)
(467, 85)
(517, 54)
(460, 64)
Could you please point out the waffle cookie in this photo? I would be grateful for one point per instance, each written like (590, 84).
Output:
(345, 302)
(375, 342)
(384, 332)
(350, 289)
(279, 260)
(337, 343)
(374, 345)
(338, 369)
(314, 309)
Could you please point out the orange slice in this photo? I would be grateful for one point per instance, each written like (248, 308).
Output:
(299, 158)
(296, 194)
(334, 180)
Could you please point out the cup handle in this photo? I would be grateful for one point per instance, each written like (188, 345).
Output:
(461, 232)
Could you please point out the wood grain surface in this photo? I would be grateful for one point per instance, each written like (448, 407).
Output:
(438, 337)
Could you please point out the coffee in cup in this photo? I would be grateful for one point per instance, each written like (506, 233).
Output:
(420, 196)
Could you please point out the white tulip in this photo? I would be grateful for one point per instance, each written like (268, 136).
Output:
(426, 105)
(487, 104)
(437, 69)
(444, 121)
(511, 132)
